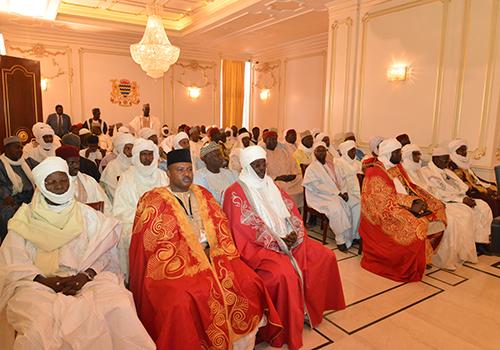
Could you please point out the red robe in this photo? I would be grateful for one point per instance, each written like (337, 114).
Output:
(395, 242)
(185, 300)
(321, 289)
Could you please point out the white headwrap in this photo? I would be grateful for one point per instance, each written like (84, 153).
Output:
(124, 130)
(178, 138)
(46, 146)
(440, 151)
(315, 131)
(408, 162)
(461, 161)
(146, 133)
(265, 196)
(48, 166)
(240, 139)
(319, 143)
(165, 131)
(145, 145)
(385, 149)
(345, 147)
(374, 143)
(119, 142)
(320, 137)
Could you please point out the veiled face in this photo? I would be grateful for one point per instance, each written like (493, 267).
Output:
(127, 149)
(184, 143)
(462, 150)
(259, 166)
(320, 153)
(352, 153)
(326, 140)
(146, 157)
(416, 156)
(57, 182)
(441, 161)
(48, 138)
(180, 175)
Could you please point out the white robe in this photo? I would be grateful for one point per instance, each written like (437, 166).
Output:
(215, 183)
(448, 187)
(110, 176)
(458, 242)
(348, 172)
(130, 189)
(87, 190)
(140, 122)
(322, 194)
(101, 316)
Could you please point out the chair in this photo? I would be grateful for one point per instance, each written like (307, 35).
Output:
(497, 175)
(307, 210)
(99, 206)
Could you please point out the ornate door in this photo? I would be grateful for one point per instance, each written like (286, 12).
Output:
(20, 97)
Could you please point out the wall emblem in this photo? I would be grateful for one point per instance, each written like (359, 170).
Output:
(124, 92)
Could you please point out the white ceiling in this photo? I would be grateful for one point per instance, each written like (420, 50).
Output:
(226, 26)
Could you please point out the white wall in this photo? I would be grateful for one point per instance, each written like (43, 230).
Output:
(452, 49)
(80, 79)
(295, 76)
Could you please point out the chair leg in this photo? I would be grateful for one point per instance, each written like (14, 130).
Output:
(325, 229)
(360, 248)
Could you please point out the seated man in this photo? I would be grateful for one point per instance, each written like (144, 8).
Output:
(86, 166)
(359, 153)
(371, 159)
(190, 286)
(301, 275)
(326, 192)
(458, 243)
(478, 188)
(214, 177)
(16, 181)
(304, 152)
(123, 144)
(141, 177)
(87, 190)
(447, 186)
(45, 148)
(243, 141)
(60, 282)
(403, 139)
(290, 141)
(401, 224)
(282, 169)
(93, 152)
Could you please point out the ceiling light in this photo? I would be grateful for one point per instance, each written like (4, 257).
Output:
(46, 9)
(154, 53)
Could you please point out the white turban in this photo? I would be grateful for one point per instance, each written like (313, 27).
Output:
(178, 138)
(83, 131)
(37, 127)
(385, 148)
(165, 130)
(145, 145)
(461, 161)
(265, 196)
(48, 166)
(319, 143)
(122, 139)
(320, 137)
(44, 132)
(124, 130)
(315, 132)
(146, 133)
(408, 162)
(440, 151)
(345, 146)
(374, 143)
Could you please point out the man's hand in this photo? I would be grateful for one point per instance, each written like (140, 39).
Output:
(290, 239)
(469, 202)
(73, 284)
(344, 196)
(418, 207)
(9, 201)
(54, 283)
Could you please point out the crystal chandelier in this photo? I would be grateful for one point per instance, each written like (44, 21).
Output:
(154, 53)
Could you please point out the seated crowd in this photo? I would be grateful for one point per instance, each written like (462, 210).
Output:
(129, 237)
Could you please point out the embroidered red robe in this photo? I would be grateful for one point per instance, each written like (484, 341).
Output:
(395, 242)
(309, 281)
(185, 300)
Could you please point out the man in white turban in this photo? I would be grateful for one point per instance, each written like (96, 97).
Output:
(326, 192)
(123, 144)
(401, 223)
(36, 128)
(271, 238)
(60, 283)
(304, 152)
(447, 186)
(243, 141)
(479, 188)
(16, 181)
(45, 139)
(141, 177)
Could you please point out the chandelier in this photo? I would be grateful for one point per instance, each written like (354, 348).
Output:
(154, 53)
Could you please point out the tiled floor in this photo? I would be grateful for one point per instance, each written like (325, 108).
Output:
(447, 310)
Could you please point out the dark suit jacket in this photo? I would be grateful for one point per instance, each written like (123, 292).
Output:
(66, 124)
(90, 168)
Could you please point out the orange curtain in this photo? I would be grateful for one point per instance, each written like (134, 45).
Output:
(233, 77)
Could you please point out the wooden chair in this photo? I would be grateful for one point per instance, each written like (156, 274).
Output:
(99, 206)
(307, 210)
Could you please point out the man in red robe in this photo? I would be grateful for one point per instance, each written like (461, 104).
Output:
(300, 274)
(191, 289)
(401, 224)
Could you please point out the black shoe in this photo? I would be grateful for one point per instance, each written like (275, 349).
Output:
(342, 247)
(483, 249)
(428, 266)
(356, 241)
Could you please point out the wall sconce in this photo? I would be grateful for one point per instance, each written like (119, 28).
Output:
(44, 83)
(3, 51)
(398, 72)
(194, 92)
(265, 94)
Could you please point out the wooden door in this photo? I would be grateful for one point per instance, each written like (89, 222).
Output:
(20, 97)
